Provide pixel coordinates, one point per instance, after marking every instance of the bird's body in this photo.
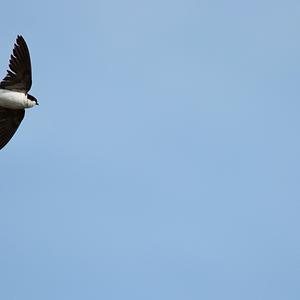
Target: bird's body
(15, 100)
(14, 97)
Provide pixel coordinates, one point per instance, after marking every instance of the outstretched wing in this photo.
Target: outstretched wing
(10, 119)
(18, 78)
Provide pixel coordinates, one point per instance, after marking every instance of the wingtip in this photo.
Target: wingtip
(19, 38)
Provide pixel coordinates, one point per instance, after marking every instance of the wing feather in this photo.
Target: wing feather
(10, 120)
(18, 78)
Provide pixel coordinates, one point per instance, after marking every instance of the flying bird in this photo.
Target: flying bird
(14, 88)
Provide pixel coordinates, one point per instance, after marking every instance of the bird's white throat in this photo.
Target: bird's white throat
(15, 100)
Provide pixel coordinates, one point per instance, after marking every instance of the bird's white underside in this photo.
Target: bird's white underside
(14, 100)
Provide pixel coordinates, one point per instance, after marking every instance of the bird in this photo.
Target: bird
(14, 88)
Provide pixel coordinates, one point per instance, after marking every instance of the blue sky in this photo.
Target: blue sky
(163, 160)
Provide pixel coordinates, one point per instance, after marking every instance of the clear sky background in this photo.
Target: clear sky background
(163, 160)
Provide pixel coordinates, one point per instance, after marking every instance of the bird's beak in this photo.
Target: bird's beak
(37, 103)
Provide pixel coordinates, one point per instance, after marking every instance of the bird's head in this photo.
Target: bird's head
(32, 99)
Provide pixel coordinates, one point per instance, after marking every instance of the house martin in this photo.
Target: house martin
(14, 97)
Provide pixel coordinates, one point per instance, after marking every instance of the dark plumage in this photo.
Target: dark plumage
(18, 78)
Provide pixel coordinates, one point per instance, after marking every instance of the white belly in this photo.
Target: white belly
(13, 100)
